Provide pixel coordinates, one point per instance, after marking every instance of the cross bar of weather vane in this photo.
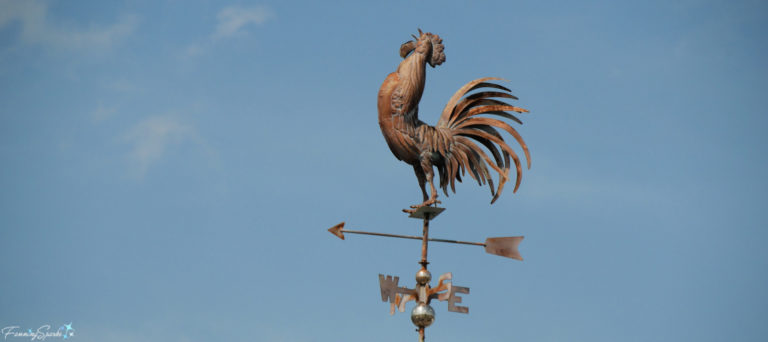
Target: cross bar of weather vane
(501, 246)
(413, 237)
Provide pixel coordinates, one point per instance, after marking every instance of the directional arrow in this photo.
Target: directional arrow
(502, 246)
(336, 230)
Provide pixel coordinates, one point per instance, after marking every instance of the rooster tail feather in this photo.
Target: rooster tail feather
(449, 107)
(461, 120)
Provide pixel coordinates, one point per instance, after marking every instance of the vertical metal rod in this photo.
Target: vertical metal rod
(424, 241)
(424, 262)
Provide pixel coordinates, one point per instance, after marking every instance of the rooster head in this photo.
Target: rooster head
(427, 44)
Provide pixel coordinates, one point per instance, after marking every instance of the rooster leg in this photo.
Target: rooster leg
(433, 192)
(422, 180)
(428, 173)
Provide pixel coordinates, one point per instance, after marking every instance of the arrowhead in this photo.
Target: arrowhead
(337, 230)
(504, 246)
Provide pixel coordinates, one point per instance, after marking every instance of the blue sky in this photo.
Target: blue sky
(169, 170)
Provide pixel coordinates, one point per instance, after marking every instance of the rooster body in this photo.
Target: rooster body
(449, 145)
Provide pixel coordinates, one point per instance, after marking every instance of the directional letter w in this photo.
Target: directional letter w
(389, 288)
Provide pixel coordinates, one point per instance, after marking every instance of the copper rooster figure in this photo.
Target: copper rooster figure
(447, 145)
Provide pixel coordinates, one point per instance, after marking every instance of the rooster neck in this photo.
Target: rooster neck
(412, 74)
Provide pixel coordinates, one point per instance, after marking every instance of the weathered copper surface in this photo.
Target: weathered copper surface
(504, 246)
(458, 144)
(452, 145)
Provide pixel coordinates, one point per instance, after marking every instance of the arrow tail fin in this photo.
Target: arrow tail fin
(504, 246)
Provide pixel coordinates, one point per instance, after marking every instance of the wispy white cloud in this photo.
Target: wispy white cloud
(103, 112)
(122, 86)
(194, 49)
(152, 137)
(36, 28)
(233, 19)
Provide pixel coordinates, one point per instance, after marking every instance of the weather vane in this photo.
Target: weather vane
(452, 147)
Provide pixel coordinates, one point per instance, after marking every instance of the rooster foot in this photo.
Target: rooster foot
(425, 204)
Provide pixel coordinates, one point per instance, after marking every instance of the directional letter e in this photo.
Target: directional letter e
(453, 299)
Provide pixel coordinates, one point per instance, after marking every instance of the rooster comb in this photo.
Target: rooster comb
(438, 54)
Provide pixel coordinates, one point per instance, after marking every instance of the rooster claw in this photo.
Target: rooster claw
(426, 204)
(416, 207)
